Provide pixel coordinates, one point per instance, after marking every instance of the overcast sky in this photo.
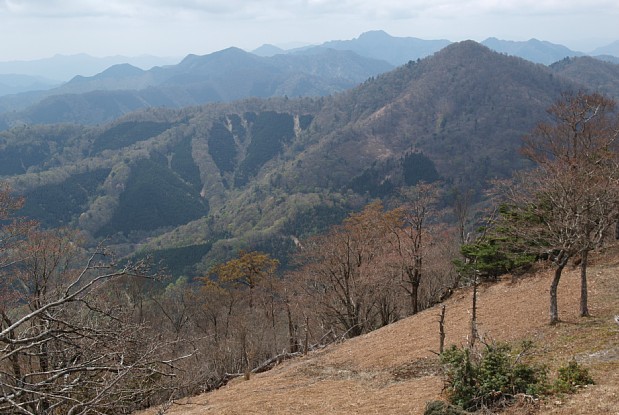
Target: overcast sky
(32, 29)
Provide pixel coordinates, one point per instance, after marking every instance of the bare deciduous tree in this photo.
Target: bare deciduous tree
(570, 201)
(68, 343)
(340, 273)
(412, 237)
(244, 311)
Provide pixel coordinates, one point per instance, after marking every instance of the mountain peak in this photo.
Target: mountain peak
(378, 44)
(375, 34)
(466, 47)
(268, 50)
(230, 54)
(121, 69)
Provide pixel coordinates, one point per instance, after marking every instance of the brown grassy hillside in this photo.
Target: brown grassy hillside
(394, 371)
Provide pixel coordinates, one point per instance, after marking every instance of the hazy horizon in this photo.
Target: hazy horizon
(287, 46)
(37, 29)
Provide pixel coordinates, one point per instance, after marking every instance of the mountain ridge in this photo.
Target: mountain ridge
(371, 45)
(535, 50)
(399, 50)
(444, 75)
(395, 50)
(602, 77)
(282, 167)
(226, 75)
(62, 68)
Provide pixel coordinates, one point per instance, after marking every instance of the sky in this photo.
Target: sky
(33, 29)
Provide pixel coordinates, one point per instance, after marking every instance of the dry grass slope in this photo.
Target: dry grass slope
(394, 371)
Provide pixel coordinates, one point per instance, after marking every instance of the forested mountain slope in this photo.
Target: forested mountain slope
(602, 77)
(466, 108)
(256, 173)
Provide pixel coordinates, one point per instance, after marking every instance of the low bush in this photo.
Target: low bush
(491, 377)
(571, 377)
(443, 408)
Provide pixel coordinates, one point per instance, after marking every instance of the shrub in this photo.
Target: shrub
(572, 376)
(442, 408)
(490, 378)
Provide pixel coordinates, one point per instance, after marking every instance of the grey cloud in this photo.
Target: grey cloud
(65, 8)
(256, 8)
(305, 8)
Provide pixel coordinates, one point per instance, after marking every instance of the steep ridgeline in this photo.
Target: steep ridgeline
(395, 50)
(465, 108)
(399, 50)
(254, 174)
(534, 50)
(602, 77)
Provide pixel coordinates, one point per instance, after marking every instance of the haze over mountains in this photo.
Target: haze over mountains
(399, 50)
(233, 149)
(193, 183)
(61, 68)
(222, 76)
(196, 163)
(16, 83)
(219, 77)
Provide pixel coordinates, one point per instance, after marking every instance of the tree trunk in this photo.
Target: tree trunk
(584, 308)
(293, 344)
(14, 359)
(414, 277)
(306, 342)
(554, 307)
(415, 298)
(441, 330)
(44, 366)
(474, 315)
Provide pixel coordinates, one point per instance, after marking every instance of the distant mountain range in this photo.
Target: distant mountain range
(196, 183)
(232, 150)
(61, 68)
(17, 83)
(374, 44)
(399, 50)
(223, 76)
(612, 50)
(533, 50)
(395, 50)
